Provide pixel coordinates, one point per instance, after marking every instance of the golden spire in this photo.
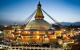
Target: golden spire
(39, 14)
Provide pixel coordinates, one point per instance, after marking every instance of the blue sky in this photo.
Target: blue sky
(12, 11)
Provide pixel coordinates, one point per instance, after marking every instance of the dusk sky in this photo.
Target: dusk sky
(12, 11)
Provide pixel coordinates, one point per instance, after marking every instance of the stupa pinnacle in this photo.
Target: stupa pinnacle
(39, 14)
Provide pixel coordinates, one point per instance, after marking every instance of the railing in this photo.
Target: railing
(35, 48)
(30, 48)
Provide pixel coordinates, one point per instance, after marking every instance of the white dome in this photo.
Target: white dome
(38, 25)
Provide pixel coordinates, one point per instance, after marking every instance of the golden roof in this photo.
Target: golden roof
(39, 14)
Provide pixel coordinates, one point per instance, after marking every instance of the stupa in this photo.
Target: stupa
(39, 23)
(36, 31)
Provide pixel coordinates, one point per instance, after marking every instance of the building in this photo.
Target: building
(36, 32)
